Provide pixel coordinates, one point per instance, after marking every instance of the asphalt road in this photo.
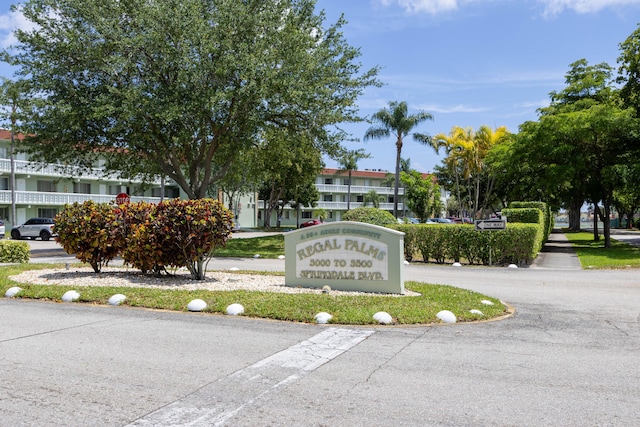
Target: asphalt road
(568, 357)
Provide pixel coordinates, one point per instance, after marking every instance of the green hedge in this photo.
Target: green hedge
(14, 251)
(443, 243)
(547, 217)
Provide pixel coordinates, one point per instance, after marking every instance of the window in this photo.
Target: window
(172, 192)
(82, 187)
(4, 214)
(328, 181)
(3, 153)
(46, 186)
(156, 192)
(327, 198)
(306, 215)
(47, 212)
(114, 190)
(390, 199)
(287, 215)
(4, 183)
(360, 198)
(259, 215)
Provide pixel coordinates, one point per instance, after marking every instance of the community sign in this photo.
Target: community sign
(347, 256)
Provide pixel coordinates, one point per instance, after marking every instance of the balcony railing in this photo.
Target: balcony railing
(342, 206)
(61, 199)
(355, 189)
(52, 170)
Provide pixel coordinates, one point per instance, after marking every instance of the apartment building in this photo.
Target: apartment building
(42, 190)
(333, 186)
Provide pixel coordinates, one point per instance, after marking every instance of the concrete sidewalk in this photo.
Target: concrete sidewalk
(557, 253)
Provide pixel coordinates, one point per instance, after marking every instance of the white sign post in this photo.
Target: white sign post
(347, 256)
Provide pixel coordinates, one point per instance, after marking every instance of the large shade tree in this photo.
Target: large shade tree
(397, 121)
(182, 88)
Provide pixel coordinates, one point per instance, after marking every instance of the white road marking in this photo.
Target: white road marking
(219, 401)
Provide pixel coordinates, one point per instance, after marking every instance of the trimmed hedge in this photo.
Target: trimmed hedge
(547, 218)
(14, 252)
(456, 243)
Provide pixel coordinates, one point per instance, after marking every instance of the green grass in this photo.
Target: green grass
(267, 247)
(349, 310)
(594, 255)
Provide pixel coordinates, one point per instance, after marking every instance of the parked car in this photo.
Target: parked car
(2, 230)
(310, 223)
(441, 220)
(34, 228)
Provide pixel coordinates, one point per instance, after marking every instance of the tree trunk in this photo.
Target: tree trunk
(397, 180)
(596, 214)
(606, 225)
(574, 214)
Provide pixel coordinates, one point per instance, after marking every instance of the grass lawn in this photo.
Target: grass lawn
(345, 309)
(595, 255)
(267, 247)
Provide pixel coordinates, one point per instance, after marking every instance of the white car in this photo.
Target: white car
(2, 230)
(34, 228)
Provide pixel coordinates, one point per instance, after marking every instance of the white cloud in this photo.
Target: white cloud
(9, 22)
(428, 6)
(554, 7)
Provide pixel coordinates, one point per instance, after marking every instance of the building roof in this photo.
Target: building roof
(6, 134)
(366, 173)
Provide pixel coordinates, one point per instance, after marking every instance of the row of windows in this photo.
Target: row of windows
(359, 198)
(44, 186)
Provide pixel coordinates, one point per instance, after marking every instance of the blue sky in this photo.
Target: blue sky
(467, 62)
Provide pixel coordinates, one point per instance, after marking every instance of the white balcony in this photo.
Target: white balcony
(61, 199)
(58, 171)
(342, 206)
(355, 189)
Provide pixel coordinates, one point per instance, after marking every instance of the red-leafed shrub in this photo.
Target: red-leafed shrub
(176, 233)
(88, 231)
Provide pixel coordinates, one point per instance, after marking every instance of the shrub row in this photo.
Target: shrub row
(176, 233)
(14, 251)
(455, 243)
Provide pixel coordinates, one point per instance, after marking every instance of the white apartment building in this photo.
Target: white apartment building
(42, 190)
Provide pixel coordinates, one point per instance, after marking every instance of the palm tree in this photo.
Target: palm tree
(453, 144)
(349, 162)
(396, 119)
(373, 198)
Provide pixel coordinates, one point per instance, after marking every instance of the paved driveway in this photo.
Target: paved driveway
(569, 356)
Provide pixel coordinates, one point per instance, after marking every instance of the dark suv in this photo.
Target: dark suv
(34, 228)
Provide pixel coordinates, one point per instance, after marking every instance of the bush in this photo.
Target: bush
(449, 243)
(89, 231)
(177, 233)
(373, 216)
(14, 251)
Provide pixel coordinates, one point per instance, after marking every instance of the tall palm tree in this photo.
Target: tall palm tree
(452, 145)
(397, 119)
(349, 162)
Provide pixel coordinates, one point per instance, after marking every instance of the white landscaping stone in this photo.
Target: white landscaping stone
(474, 311)
(322, 317)
(406, 262)
(13, 291)
(383, 318)
(235, 309)
(234, 269)
(196, 305)
(117, 299)
(486, 302)
(512, 266)
(256, 256)
(280, 256)
(70, 296)
(457, 264)
(446, 316)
